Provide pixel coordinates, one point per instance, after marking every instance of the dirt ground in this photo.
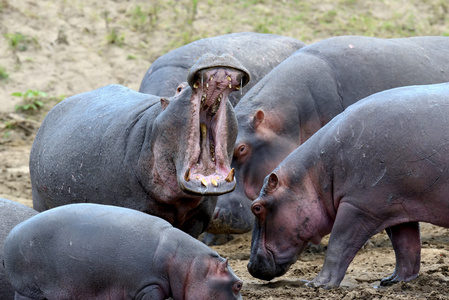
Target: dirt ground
(69, 51)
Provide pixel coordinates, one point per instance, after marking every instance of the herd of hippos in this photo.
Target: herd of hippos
(348, 136)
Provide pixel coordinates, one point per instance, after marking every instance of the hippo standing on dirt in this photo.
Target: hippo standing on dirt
(92, 251)
(165, 157)
(11, 214)
(381, 164)
(258, 52)
(315, 84)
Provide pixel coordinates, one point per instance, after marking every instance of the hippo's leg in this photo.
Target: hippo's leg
(407, 249)
(152, 292)
(346, 239)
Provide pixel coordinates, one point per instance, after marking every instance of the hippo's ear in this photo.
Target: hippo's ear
(223, 267)
(164, 103)
(273, 182)
(258, 118)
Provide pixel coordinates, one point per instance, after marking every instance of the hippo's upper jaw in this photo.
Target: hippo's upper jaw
(207, 168)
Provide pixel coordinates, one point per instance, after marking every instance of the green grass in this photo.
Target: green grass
(3, 74)
(32, 100)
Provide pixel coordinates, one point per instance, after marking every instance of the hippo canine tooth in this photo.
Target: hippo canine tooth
(230, 176)
(203, 131)
(187, 175)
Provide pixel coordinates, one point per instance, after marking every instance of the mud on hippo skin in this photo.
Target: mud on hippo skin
(92, 251)
(168, 157)
(316, 83)
(11, 214)
(381, 164)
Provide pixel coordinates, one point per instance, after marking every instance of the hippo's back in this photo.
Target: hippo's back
(367, 65)
(97, 132)
(87, 245)
(396, 141)
(258, 52)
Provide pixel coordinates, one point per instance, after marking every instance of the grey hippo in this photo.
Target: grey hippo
(168, 157)
(315, 84)
(93, 251)
(381, 164)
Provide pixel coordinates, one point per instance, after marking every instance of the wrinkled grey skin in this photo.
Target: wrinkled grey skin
(319, 81)
(165, 157)
(11, 214)
(92, 251)
(381, 164)
(258, 52)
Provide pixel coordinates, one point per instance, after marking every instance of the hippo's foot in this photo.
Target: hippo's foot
(211, 239)
(396, 278)
(313, 284)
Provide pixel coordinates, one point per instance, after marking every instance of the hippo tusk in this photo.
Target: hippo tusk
(187, 175)
(230, 176)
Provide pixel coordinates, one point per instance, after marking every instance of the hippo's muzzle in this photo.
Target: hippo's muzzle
(208, 170)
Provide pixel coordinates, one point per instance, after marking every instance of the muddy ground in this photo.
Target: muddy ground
(69, 47)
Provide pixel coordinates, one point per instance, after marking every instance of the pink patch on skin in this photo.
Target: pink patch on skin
(350, 46)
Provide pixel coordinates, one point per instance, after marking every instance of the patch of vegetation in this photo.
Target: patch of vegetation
(113, 37)
(32, 100)
(3, 74)
(21, 42)
(142, 19)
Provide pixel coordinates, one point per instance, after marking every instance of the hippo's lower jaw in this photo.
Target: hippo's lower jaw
(265, 267)
(208, 169)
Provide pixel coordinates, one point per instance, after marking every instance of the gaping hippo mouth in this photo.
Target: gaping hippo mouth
(208, 170)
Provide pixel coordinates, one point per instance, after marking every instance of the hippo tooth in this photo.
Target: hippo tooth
(214, 182)
(207, 85)
(237, 87)
(230, 86)
(229, 78)
(211, 78)
(203, 99)
(203, 131)
(204, 182)
(230, 176)
(197, 177)
(187, 175)
(196, 85)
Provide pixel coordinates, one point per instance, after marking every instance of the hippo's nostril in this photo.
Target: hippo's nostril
(216, 213)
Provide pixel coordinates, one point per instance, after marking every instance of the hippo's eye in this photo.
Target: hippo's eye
(257, 209)
(179, 89)
(241, 151)
(237, 287)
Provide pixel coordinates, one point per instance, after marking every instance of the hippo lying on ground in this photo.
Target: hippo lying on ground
(312, 86)
(381, 164)
(92, 251)
(11, 214)
(157, 155)
(258, 52)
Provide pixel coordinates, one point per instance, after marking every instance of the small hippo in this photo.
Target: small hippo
(316, 83)
(93, 251)
(381, 164)
(165, 157)
(11, 214)
(258, 52)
